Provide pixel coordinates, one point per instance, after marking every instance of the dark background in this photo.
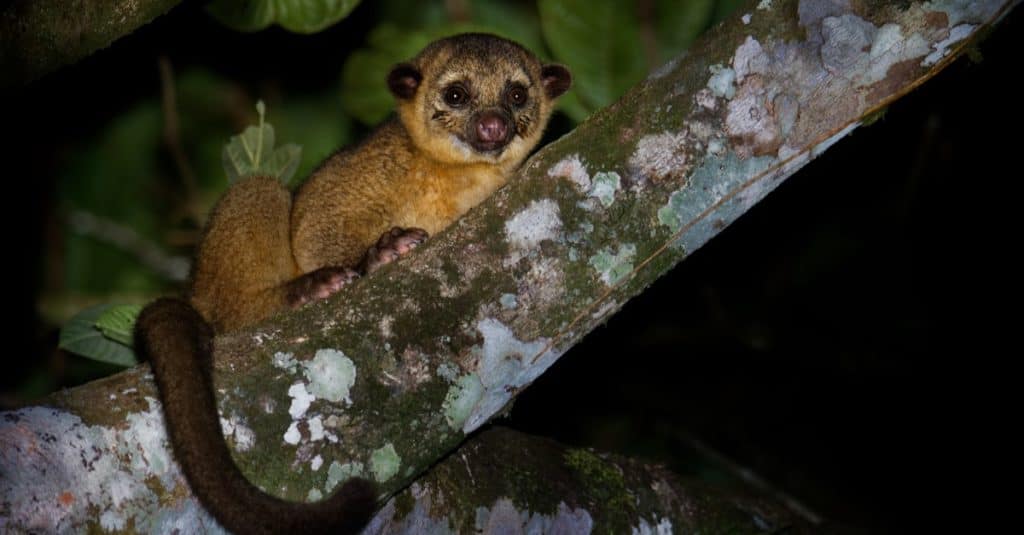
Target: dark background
(840, 339)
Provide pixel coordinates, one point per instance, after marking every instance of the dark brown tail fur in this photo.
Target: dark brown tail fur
(178, 344)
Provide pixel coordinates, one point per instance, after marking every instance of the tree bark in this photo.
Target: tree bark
(391, 374)
(39, 36)
(501, 481)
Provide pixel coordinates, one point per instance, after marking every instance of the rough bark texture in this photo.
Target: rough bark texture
(39, 36)
(392, 373)
(501, 481)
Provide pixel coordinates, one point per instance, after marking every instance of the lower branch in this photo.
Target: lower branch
(502, 481)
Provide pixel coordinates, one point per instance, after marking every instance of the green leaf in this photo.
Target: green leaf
(80, 335)
(600, 41)
(284, 161)
(300, 16)
(246, 153)
(118, 323)
(252, 153)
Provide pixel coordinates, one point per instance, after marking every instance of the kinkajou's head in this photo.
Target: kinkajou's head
(476, 98)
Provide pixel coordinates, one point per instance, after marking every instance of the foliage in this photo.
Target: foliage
(302, 16)
(103, 333)
(252, 153)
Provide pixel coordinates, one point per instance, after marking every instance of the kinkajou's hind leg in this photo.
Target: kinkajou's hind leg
(245, 262)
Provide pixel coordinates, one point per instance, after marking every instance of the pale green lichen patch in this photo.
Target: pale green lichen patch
(285, 361)
(184, 516)
(448, 371)
(613, 267)
(504, 365)
(234, 429)
(461, 398)
(956, 34)
(715, 179)
(331, 375)
(384, 463)
(339, 473)
(538, 222)
(508, 301)
(662, 527)
(961, 10)
(314, 495)
(504, 517)
(573, 170)
(722, 82)
(604, 186)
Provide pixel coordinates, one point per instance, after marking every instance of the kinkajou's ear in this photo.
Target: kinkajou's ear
(556, 80)
(404, 80)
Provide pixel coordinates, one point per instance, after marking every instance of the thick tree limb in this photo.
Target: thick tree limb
(391, 374)
(38, 36)
(502, 481)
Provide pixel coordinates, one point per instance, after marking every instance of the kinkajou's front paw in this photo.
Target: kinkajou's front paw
(391, 246)
(319, 284)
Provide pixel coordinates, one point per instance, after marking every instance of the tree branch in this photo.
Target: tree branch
(388, 376)
(39, 36)
(501, 481)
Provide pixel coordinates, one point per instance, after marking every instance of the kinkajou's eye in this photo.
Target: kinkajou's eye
(516, 96)
(456, 96)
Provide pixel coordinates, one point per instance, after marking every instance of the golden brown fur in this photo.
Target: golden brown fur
(470, 108)
(418, 170)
